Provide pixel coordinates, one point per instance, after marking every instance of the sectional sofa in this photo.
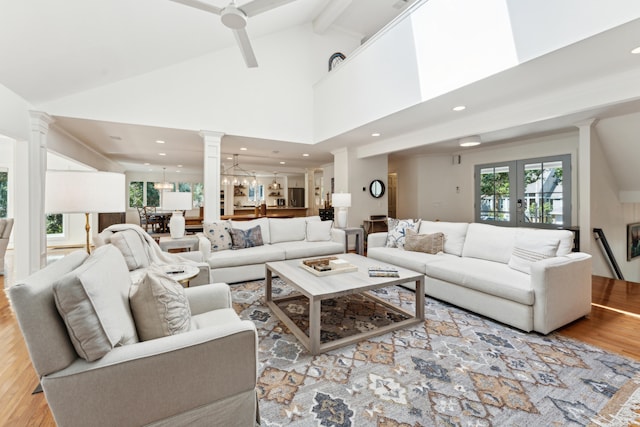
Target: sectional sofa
(527, 278)
(281, 239)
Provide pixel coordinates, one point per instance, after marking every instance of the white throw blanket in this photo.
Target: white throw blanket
(154, 253)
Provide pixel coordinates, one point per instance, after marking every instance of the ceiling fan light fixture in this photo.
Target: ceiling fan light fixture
(233, 18)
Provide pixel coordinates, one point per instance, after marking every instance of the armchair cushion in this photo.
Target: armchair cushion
(132, 248)
(93, 301)
(159, 305)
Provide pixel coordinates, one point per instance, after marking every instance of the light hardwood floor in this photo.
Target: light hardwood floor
(614, 325)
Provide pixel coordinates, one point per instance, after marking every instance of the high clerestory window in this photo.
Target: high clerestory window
(525, 193)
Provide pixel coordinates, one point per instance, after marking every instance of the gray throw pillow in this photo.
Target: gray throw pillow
(159, 305)
(246, 238)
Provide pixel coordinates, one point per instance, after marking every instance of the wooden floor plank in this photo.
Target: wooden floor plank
(614, 325)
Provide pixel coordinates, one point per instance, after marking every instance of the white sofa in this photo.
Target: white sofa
(473, 272)
(283, 238)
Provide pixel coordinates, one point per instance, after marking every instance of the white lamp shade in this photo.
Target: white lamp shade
(84, 192)
(176, 201)
(341, 200)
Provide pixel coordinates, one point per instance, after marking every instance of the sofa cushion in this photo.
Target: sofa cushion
(248, 256)
(454, 234)
(427, 243)
(528, 250)
(93, 300)
(492, 278)
(318, 231)
(397, 231)
(132, 247)
(218, 233)
(489, 242)
(217, 317)
(262, 222)
(246, 238)
(294, 250)
(287, 229)
(159, 305)
(416, 261)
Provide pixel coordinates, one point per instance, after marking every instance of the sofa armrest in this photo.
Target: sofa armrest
(204, 246)
(562, 289)
(193, 256)
(155, 379)
(339, 236)
(377, 240)
(208, 297)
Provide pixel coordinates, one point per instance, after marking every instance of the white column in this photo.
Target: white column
(584, 184)
(341, 170)
(212, 143)
(31, 166)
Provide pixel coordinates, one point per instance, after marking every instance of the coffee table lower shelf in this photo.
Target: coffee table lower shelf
(317, 289)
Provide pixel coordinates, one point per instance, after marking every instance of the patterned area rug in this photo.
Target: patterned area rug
(455, 369)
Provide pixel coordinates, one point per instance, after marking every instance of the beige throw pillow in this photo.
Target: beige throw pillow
(93, 302)
(427, 243)
(159, 305)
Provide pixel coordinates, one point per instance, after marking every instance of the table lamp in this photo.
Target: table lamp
(84, 192)
(177, 202)
(341, 201)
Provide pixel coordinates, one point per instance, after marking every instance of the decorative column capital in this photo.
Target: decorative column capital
(40, 121)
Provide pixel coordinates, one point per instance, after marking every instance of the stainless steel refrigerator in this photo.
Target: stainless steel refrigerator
(296, 197)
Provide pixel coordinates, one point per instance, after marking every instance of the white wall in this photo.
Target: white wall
(218, 92)
(432, 187)
(67, 146)
(361, 173)
(14, 116)
(612, 216)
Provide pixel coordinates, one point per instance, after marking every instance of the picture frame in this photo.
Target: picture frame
(633, 240)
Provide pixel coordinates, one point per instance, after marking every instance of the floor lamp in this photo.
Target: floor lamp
(177, 202)
(84, 192)
(341, 201)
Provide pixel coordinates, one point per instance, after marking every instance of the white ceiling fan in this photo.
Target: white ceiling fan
(235, 18)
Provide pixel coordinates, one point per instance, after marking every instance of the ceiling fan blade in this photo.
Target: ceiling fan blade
(245, 47)
(200, 5)
(258, 6)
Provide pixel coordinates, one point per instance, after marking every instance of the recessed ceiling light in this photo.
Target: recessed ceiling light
(229, 158)
(636, 50)
(147, 164)
(179, 166)
(459, 108)
(159, 141)
(375, 134)
(305, 155)
(470, 141)
(178, 170)
(162, 154)
(243, 148)
(282, 163)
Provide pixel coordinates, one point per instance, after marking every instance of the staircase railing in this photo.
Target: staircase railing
(604, 245)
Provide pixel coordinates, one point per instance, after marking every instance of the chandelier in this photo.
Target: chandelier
(237, 175)
(164, 185)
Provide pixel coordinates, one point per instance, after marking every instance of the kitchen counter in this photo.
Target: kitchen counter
(272, 212)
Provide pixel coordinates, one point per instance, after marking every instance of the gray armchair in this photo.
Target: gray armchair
(203, 377)
(6, 224)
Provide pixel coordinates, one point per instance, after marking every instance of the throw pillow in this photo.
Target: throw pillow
(93, 302)
(427, 243)
(246, 238)
(159, 305)
(397, 231)
(527, 251)
(319, 231)
(218, 235)
(132, 247)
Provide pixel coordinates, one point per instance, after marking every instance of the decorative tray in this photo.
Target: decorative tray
(327, 266)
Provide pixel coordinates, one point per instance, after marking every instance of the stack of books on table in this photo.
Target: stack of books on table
(385, 271)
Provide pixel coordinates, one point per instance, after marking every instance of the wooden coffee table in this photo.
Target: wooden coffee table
(318, 288)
